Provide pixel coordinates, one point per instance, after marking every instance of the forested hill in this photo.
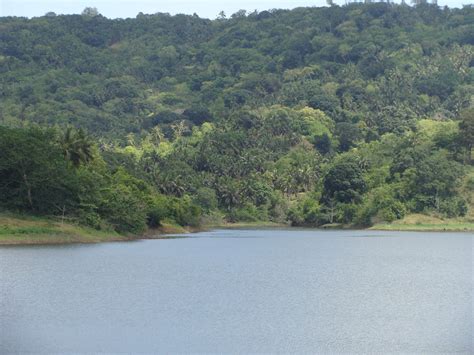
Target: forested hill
(379, 65)
(316, 115)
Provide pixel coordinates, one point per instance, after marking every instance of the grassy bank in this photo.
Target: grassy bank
(34, 230)
(419, 222)
(28, 230)
(15, 230)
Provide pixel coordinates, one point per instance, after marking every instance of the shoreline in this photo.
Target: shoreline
(422, 228)
(36, 231)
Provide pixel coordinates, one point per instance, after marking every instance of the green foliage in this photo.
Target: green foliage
(380, 204)
(344, 182)
(347, 114)
(355, 63)
(466, 130)
(34, 176)
(76, 146)
(429, 180)
(158, 210)
(184, 212)
(123, 209)
(206, 198)
(306, 212)
(348, 134)
(247, 213)
(453, 207)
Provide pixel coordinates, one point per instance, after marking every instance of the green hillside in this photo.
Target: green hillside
(355, 115)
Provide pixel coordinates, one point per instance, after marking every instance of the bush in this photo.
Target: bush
(380, 205)
(184, 212)
(295, 216)
(34, 176)
(248, 213)
(391, 209)
(278, 208)
(306, 212)
(89, 217)
(453, 207)
(124, 211)
(157, 211)
(346, 212)
(206, 198)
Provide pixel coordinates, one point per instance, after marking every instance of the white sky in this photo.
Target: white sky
(130, 8)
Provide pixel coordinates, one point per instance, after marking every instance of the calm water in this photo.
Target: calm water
(242, 291)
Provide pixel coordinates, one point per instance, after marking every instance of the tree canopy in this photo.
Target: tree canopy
(311, 116)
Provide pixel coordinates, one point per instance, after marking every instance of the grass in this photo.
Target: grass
(16, 229)
(420, 222)
(167, 228)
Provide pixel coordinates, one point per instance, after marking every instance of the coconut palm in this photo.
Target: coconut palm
(77, 146)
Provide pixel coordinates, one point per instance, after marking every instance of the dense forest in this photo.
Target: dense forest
(344, 114)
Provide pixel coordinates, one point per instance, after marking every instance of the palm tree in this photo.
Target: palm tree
(76, 146)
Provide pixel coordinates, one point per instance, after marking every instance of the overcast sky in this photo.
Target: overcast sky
(130, 8)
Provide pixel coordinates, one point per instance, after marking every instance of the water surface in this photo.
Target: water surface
(242, 291)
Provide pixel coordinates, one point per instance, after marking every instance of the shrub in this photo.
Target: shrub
(184, 212)
(306, 212)
(206, 198)
(453, 207)
(248, 213)
(124, 210)
(157, 211)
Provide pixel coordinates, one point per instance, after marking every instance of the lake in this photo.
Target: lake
(242, 291)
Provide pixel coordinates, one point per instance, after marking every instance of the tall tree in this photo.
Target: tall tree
(344, 182)
(466, 130)
(76, 146)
